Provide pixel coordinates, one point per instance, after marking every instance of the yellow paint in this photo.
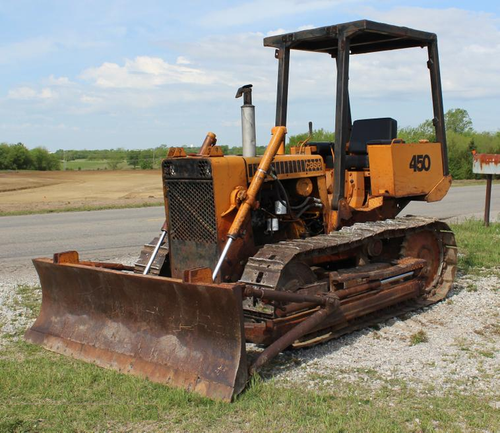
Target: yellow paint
(355, 188)
(228, 173)
(391, 174)
(440, 190)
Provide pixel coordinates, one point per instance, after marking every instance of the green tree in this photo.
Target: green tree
(43, 160)
(133, 158)
(146, 159)
(4, 156)
(459, 121)
(424, 131)
(19, 157)
(114, 160)
(317, 135)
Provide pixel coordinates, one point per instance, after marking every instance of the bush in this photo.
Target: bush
(4, 156)
(19, 157)
(43, 160)
(146, 159)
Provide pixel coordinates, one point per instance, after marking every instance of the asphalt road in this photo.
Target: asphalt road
(107, 234)
(99, 235)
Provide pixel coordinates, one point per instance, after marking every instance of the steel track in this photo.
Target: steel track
(266, 267)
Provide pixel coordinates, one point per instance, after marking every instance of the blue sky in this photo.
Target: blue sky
(101, 74)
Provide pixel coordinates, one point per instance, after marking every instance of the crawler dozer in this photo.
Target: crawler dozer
(284, 250)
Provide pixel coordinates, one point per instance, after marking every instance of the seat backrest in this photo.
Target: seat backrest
(365, 130)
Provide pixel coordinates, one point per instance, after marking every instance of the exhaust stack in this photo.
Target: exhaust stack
(247, 120)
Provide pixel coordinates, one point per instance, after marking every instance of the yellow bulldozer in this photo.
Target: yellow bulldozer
(284, 250)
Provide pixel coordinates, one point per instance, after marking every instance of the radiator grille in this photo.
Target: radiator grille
(192, 210)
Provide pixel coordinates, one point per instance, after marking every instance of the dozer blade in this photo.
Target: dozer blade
(189, 336)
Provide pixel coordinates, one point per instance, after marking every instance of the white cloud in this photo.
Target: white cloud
(28, 93)
(469, 48)
(146, 72)
(59, 81)
(87, 99)
(22, 93)
(181, 60)
(276, 32)
(46, 93)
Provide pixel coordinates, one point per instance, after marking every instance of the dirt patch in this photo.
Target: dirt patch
(39, 191)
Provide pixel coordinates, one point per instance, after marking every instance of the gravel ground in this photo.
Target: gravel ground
(461, 351)
(13, 316)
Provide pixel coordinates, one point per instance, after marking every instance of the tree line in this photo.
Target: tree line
(19, 157)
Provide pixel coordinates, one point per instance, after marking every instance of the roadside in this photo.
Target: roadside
(473, 182)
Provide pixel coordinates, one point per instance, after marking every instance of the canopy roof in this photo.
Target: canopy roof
(365, 37)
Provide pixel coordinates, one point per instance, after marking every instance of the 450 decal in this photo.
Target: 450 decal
(420, 163)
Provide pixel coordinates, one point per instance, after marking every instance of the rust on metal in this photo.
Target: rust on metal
(66, 257)
(346, 279)
(198, 275)
(297, 332)
(184, 335)
(208, 143)
(275, 295)
(486, 163)
(428, 252)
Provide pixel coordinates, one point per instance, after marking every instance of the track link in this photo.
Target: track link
(267, 266)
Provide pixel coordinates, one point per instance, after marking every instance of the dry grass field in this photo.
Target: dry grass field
(39, 191)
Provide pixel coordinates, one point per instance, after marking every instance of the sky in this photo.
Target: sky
(107, 74)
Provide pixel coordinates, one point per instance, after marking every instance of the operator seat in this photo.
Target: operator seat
(380, 130)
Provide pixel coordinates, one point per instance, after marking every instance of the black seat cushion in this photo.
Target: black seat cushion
(373, 130)
(356, 162)
(323, 148)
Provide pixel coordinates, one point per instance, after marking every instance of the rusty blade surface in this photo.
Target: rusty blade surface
(185, 335)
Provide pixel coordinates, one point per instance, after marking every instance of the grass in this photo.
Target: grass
(42, 391)
(82, 208)
(418, 337)
(479, 246)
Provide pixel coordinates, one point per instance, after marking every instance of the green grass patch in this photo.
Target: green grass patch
(82, 208)
(42, 391)
(418, 337)
(487, 353)
(479, 246)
